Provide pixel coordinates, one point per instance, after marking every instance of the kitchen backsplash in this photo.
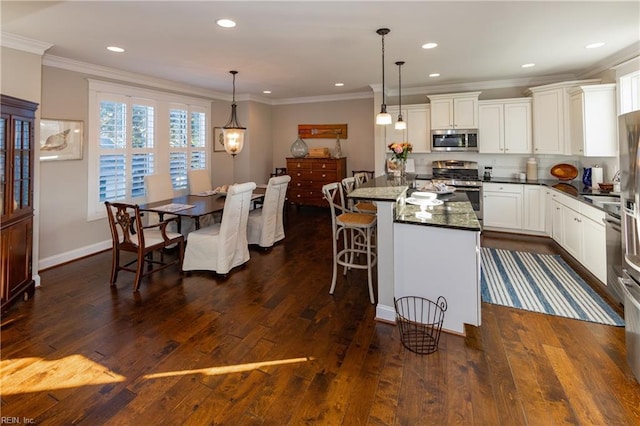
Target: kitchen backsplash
(510, 165)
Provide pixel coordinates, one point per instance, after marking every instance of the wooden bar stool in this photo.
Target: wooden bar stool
(356, 231)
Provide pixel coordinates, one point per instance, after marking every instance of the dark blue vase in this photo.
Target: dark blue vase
(586, 177)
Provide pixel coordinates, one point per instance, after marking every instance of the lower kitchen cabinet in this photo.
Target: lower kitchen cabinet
(502, 205)
(580, 230)
(534, 203)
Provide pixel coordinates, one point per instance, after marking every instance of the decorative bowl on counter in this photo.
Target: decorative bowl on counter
(564, 171)
(606, 187)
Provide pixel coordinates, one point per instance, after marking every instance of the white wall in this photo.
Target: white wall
(21, 78)
(357, 147)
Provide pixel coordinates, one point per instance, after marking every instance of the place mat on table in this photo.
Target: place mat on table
(173, 207)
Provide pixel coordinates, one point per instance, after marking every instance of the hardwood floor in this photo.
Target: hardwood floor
(270, 346)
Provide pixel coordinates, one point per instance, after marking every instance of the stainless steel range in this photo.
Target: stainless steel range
(463, 175)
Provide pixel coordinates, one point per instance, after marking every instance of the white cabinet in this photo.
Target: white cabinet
(534, 197)
(418, 131)
(594, 121)
(454, 111)
(548, 211)
(502, 205)
(504, 126)
(550, 112)
(580, 230)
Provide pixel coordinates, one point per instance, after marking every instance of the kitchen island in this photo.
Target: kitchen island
(428, 256)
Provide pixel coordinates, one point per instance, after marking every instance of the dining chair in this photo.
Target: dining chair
(265, 226)
(158, 187)
(128, 234)
(355, 230)
(199, 181)
(222, 246)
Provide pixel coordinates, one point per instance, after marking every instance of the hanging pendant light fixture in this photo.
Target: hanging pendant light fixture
(383, 116)
(400, 124)
(233, 132)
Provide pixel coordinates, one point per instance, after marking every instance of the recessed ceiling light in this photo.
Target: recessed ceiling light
(226, 23)
(115, 49)
(339, 84)
(266, 92)
(594, 45)
(528, 65)
(429, 45)
(435, 74)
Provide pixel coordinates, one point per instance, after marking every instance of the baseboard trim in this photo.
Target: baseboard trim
(58, 259)
(385, 314)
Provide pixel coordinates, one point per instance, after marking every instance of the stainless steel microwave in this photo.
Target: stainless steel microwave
(454, 140)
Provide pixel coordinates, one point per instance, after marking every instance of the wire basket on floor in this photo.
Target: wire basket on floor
(420, 321)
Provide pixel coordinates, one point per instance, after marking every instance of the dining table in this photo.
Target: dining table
(195, 206)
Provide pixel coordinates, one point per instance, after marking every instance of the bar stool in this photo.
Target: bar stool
(356, 230)
(349, 184)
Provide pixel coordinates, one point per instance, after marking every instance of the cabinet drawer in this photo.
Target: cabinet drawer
(502, 187)
(300, 175)
(324, 175)
(296, 165)
(324, 165)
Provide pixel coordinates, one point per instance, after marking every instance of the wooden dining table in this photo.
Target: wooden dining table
(194, 206)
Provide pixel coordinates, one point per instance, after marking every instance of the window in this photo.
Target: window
(135, 132)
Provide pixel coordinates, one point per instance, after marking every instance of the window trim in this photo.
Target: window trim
(162, 100)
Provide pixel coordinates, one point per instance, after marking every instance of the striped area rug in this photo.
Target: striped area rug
(541, 283)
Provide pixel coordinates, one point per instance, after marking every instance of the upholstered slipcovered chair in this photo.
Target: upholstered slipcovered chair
(222, 246)
(199, 181)
(265, 225)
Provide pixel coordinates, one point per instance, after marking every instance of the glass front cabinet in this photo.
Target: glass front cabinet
(16, 192)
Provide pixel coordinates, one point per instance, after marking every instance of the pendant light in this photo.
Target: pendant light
(400, 124)
(233, 132)
(383, 117)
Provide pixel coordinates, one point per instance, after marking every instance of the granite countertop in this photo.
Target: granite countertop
(455, 213)
(382, 188)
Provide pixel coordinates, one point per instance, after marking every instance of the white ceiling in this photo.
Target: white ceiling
(299, 49)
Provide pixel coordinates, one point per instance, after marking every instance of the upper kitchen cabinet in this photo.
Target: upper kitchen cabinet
(551, 120)
(593, 120)
(454, 111)
(505, 126)
(418, 131)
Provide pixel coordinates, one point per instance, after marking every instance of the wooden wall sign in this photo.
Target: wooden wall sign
(322, 131)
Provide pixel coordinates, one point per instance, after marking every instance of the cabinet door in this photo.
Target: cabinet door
(534, 208)
(548, 212)
(502, 209)
(594, 248)
(465, 113)
(576, 112)
(418, 128)
(572, 232)
(517, 128)
(391, 134)
(557, 224)
(548, 122)
(491, 128)
(600, 121)
(442, 114)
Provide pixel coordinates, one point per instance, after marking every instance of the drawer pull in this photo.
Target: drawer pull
(324, 175)
(324, 166)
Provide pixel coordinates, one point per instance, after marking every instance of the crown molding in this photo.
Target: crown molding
(614, 61)
(129, 77)
(29, 45)
(327, 98)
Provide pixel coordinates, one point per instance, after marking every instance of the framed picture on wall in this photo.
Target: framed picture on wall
(61, 139)
(218, 139)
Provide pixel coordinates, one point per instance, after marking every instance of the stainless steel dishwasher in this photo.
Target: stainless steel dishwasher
(614, 257)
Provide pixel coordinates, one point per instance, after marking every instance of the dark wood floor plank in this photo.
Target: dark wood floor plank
(268, 345)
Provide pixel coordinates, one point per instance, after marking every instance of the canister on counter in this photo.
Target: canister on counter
(532, 169)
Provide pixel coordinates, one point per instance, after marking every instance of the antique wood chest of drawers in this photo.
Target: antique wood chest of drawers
(309, 174)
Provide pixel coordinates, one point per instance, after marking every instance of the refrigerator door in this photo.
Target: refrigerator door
(629, 142)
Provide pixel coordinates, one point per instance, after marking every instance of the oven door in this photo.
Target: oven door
(474, 194)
